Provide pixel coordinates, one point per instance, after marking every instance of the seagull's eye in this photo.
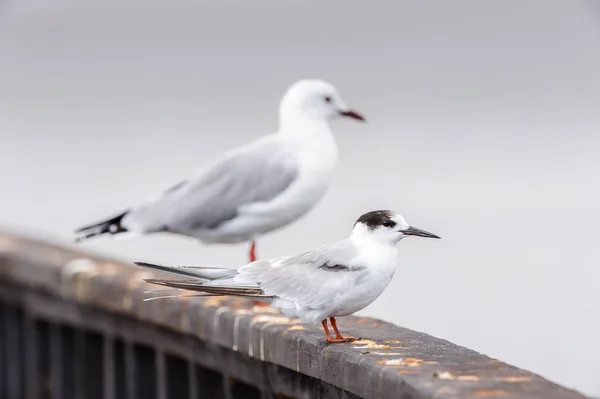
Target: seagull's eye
(327, 99)
(389, 223)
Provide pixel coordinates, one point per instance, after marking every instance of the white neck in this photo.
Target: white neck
(379, 254)
(298, 121)
(361, 235)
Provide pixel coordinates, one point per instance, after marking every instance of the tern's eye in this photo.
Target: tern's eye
(327, 99)
(389, 223)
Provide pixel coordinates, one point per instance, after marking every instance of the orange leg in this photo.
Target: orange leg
(253, 259)
(324, 323)
(338, 336)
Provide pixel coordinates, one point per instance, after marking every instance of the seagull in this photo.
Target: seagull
(250, 191)
(331, 281)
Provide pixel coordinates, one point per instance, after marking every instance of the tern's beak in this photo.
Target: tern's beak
(413, 231)
(352, 114)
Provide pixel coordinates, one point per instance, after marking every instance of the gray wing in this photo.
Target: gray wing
(258, 172)
(312, 279)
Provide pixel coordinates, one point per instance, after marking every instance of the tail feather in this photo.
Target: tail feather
(209, 281)
(178, 296)
(110, 226)
(198, 285)
(202, 273)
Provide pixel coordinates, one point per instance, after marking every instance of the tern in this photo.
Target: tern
(331, 281)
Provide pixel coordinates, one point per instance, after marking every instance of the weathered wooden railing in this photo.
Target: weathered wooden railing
(75, 326)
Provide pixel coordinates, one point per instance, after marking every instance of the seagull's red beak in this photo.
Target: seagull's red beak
(353, 115)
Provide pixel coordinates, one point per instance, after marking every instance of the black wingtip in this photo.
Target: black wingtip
(110, 226)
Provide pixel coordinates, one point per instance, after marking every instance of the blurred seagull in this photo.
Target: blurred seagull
(254, 189)
(328, 282)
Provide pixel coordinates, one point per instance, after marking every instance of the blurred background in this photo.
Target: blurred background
(483, 127)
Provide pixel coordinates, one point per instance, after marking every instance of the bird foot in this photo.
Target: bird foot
(341, 339)
(260, 304)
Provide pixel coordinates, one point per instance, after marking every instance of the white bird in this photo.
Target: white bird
(252, 190)
(328, 282)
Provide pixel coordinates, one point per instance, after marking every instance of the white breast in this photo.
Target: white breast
(381, 262)
(317, 159)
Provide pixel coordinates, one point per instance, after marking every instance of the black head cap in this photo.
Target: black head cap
(375, 219)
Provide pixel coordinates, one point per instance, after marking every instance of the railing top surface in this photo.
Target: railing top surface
(390, 361)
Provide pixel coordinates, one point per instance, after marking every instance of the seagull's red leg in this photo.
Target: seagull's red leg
(338, 336)
(253, 251)
(252, 259)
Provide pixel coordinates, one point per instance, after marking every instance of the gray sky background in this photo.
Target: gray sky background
(483, 127)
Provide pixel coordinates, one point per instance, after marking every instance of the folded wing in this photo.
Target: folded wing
(256, 173)
(311, 280)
